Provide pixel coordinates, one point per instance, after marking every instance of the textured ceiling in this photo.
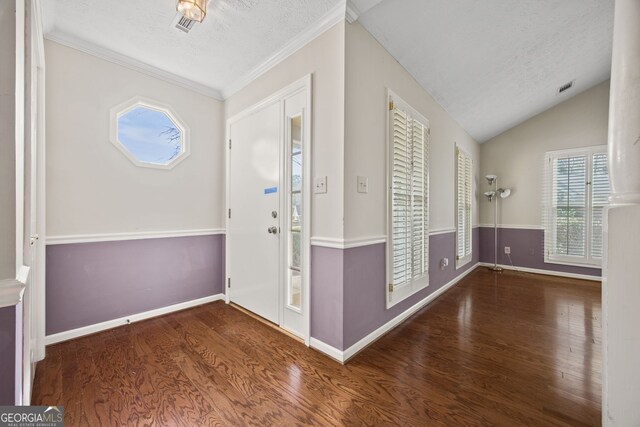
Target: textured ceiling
(235, 36)
(491, 64)
(494, 63)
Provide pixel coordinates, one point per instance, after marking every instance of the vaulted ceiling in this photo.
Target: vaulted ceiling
(491, 64)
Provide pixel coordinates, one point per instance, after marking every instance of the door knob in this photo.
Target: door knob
(272, 230)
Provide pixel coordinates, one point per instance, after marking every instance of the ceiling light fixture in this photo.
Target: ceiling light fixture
(195, 10)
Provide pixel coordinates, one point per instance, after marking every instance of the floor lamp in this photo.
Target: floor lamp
(491, 195)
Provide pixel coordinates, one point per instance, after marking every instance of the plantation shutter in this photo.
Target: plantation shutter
(569, 205)
(579, 193)
(599, 198)
(409, 199)
(463, 206)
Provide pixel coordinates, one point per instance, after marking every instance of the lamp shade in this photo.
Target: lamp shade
(506, 192)
(195, 10)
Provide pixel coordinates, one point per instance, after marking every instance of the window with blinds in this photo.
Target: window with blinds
(464, 194)
(408, 257)
(578, 192)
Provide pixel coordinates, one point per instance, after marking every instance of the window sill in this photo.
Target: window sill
(572, 264)
(462, 262)
(400, 295)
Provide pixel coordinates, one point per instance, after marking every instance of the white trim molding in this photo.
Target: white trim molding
(438, 231)
(327, 21)
(11, 292)
(545, 272)
(138, 101)
(330, 242)
(139, 235)
(516, 226)
(126, 320)
(336, 243)
(131, 63)
(343, 356)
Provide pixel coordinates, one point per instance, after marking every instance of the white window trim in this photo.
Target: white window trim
(139, 101)
(460, 262)
(568, 260)
(399, 294)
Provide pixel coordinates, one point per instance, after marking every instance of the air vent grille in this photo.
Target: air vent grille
(565, 86)
(182, 23)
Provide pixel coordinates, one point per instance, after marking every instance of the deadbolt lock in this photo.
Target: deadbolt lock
(274, 214)
(272, 230)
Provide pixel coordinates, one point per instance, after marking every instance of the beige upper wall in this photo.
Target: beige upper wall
(92, 188)
(7, 142)
(370, 70)
(517, 155)
(324, 59)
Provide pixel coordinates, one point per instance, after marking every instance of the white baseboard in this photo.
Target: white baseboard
(110, 324)
(328, 350)
(547, 272)
(343, 356)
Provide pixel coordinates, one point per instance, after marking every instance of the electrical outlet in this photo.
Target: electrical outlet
(444, 263)
(320, 185)
(507, 250)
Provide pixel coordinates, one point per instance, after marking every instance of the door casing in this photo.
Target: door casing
(303, 84)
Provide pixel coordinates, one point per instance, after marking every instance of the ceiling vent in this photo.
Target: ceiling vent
(565, 87)
(182, 23)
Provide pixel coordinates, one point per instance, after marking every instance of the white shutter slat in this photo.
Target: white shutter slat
(600, 191)
(409, 198)
(463, 205)
(578, 190)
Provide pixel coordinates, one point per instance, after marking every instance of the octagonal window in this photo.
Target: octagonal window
(148, 134)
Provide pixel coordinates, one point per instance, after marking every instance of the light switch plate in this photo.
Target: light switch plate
(363, 184)
(320, 185)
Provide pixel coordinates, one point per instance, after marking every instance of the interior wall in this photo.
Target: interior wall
(370, 71)
(324, 59)
(92, 188)
(517, 155)
(7, 141)
(96, 199)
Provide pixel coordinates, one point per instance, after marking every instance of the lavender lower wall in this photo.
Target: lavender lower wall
(327, 303)
(89, 283)
(527, 250)
(7, 355)
(348, 288)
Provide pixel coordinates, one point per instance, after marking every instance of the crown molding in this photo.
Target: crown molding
(131, 63)
(352, 12)
(328, 20)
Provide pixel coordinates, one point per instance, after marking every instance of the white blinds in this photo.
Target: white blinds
(599, 196)
(464, 195)
(579, 193)
(409, 225)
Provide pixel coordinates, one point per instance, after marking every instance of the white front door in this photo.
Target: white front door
(268, 196)
(253, 235)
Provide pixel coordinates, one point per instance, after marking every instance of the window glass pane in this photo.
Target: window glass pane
(296, 211)
(295, 289)
(295, 249)
(150, 136)
(570, 176)
(296, 172)
(294, 293)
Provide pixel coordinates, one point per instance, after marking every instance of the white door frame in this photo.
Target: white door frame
(38, 344)
(303, 84)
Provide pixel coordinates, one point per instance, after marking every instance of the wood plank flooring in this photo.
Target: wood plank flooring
(506, 349)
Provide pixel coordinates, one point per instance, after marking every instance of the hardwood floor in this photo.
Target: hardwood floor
(498, 349)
